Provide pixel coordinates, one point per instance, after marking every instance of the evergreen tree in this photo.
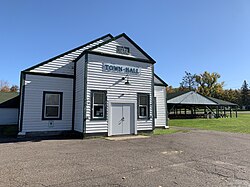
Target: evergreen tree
(245, 94)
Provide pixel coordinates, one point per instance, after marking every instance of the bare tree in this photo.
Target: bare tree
(4, 86)
(188, 82)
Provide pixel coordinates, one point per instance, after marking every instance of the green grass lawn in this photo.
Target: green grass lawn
(167, 131)
(240, 124)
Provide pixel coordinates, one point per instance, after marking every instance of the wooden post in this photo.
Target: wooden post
(236, 113)
(185, 110)
(230, 112)
(224, 111)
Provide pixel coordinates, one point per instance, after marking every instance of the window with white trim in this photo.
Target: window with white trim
(143, 106)
(98, 99)
(52, 105)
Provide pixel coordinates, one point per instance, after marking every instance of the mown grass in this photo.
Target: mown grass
(167, 131)
(239, 125)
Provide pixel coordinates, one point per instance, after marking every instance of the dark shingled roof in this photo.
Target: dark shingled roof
(9, 100)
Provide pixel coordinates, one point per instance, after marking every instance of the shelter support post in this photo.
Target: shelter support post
(236, 112)
(230, 112)
(217, 112)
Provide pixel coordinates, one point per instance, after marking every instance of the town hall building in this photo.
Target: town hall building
(107, 86)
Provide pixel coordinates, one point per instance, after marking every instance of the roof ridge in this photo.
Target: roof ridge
(188, 93)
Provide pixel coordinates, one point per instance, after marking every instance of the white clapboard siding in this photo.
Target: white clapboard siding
(160, 94)
(8, 116)
(64, 64)
(79, 97)
(33, 103)
(111, 82)
(110, 48)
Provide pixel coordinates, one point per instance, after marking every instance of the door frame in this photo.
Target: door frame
(134, 108)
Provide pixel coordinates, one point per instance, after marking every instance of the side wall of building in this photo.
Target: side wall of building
(35, 85)
(8, 116)
(79, 97)
(161, 106)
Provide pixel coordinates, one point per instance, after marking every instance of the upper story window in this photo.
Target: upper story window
(122, 50)
(98, 99)
(143, 106)
(52, 105)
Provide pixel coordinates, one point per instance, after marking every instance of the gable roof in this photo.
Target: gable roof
(175, 94)
(9, 100)
(191, 98)
(68, 56)
(66, 59)
(149, 59)
(158, 81)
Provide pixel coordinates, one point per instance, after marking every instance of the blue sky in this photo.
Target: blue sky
(181, 35)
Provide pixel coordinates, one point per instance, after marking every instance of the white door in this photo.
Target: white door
(122, 119)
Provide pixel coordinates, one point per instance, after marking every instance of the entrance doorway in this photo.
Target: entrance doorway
(122, 118)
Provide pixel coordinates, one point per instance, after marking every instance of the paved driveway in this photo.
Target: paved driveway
(196, 158)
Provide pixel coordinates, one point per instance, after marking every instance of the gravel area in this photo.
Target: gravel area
(195, 158)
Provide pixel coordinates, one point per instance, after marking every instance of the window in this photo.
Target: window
(98, 99)
(122, 50)
(155, 107)
(52, 105)
(143, 106)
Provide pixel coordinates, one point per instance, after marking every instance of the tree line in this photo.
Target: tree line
(208, 84)
(5, 87)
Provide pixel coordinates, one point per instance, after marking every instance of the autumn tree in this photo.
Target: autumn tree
(233, 96)
(188, 82)
(4, 87)
(170, 89)
(208, 85)
(14, 88)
